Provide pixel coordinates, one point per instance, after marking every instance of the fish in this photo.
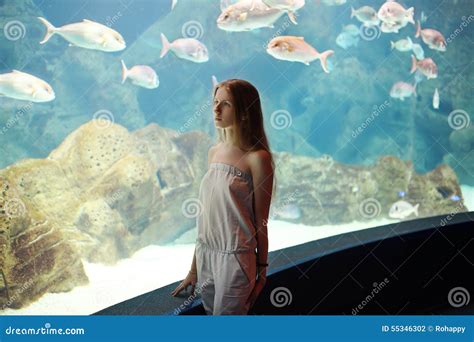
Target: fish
(433, 38)
(289, 212)
(427, 66)
(402, 45)
(333, 2)
(247, 15)
(418, 51)
(366, 15)
(23, 86)
(173, 3)
(391, 28)
(141, 75)
(392, 12)
(346, 40)
(86, 34)
(402, 209)
(400, 90)
(290, 5)
(351, 29)
(295, 49)
(455, 198)
(190, 49)
(401, 193)
(436, 99)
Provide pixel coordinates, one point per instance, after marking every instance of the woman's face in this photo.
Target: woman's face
(224, 110)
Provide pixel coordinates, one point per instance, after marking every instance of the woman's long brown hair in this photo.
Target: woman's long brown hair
(249, 133)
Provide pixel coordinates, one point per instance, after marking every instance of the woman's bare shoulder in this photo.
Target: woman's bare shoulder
(259, 159)
(212, 151)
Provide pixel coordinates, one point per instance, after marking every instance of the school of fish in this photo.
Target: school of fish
(244, 16)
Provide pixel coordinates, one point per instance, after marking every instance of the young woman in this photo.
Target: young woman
(230, 258)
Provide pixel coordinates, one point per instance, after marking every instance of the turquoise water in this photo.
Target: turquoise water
(346, 116)
(325, 109)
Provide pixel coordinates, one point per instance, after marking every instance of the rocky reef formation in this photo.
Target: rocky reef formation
(106, 192)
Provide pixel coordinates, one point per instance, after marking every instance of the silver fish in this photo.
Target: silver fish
(402, 209)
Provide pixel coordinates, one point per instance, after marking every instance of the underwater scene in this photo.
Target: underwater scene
(106, 120)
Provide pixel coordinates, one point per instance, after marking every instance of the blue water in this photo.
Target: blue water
(325, 108)
(346, 114)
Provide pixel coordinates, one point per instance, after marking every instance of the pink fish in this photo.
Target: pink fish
(392, 12)
(427, 67)
(434, 39)
(295, 49)
(391, 27)
(141, 75)
(400, 90)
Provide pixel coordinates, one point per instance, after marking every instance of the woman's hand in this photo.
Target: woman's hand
(191, 279)
(259, 285)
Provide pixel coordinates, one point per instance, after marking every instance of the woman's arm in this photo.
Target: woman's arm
(262, 175)
(193, 264)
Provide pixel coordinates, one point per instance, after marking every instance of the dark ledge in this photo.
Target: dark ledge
(399, 269)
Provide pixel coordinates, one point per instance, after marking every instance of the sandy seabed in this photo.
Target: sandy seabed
(156, 266)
